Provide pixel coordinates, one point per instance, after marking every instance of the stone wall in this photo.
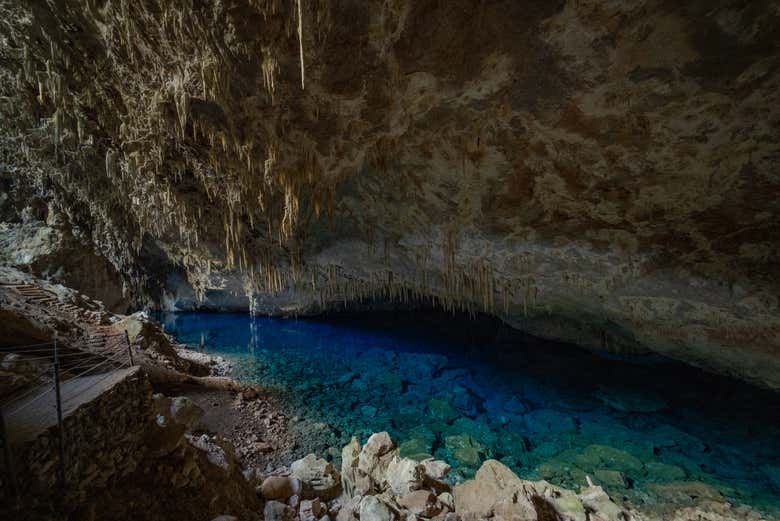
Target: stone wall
(101, 445)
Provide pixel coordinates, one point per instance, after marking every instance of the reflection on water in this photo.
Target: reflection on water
(650, 431)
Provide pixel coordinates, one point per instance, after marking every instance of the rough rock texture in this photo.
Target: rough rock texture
(36, 238)
(598, 172)
(496, 493)
(127, 457)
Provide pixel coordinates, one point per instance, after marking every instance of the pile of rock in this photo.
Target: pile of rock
(377, 484)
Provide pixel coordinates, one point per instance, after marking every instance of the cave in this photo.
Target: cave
(397, 260)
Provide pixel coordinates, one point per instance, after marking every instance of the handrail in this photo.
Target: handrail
(80, 359)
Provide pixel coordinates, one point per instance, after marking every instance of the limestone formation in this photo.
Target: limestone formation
(597, 173)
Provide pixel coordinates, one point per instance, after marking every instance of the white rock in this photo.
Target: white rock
(318, 477)
(446, 499)
(435, 469)
(278, 511)
(373, 461)
(404, 475)
(371, 509)
(310, 510)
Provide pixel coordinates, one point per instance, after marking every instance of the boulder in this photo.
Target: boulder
(184, 411)
(600, 507)
(415, 448)
(310, 510)
(612, 479)
(603, 456)
(773, 474)
(278, 511)
(373, 461)
(404, 475)
(372, 509)
(495, 486)
(318, 477)
(562, 503)
(279, 487)
(684, 492)
(349, 465)
(657, 471)
(349, 510)
(435, 469)
(466, 450)
(447, 501)
(441, 409)
(420, 503)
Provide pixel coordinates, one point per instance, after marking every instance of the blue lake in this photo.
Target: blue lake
(651, 431)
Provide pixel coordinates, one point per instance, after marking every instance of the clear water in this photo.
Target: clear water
(465, 391)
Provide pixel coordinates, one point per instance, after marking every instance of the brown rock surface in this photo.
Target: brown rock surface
(602, 173)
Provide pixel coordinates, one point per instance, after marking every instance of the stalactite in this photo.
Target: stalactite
(300, 41)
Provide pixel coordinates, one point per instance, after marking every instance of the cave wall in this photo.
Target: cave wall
(599, 172)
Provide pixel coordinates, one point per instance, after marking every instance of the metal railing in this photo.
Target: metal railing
(66, 370)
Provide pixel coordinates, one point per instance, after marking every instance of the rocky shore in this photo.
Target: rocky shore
(375, 482)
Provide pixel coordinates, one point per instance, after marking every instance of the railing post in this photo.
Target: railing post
(9, 462)
(59, 414)
(129, 348)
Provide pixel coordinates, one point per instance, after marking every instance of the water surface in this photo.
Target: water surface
(651, 431)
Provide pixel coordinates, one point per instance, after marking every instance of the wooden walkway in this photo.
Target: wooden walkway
(28, 418)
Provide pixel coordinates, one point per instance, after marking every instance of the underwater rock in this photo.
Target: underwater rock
(684, 492)
(466, 450)
(547, 421)
(663, 471)
(611, 479)
(559, 471)
(477, 429)
(603, 456)
(440, 408)
(628, 400)
(415, 448)
(773, 473)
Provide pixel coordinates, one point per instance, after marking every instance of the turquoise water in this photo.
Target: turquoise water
(651, 431)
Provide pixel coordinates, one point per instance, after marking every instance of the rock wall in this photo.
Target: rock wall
(36, 238)
(604, 173)
(101, 445)
(128, 455)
